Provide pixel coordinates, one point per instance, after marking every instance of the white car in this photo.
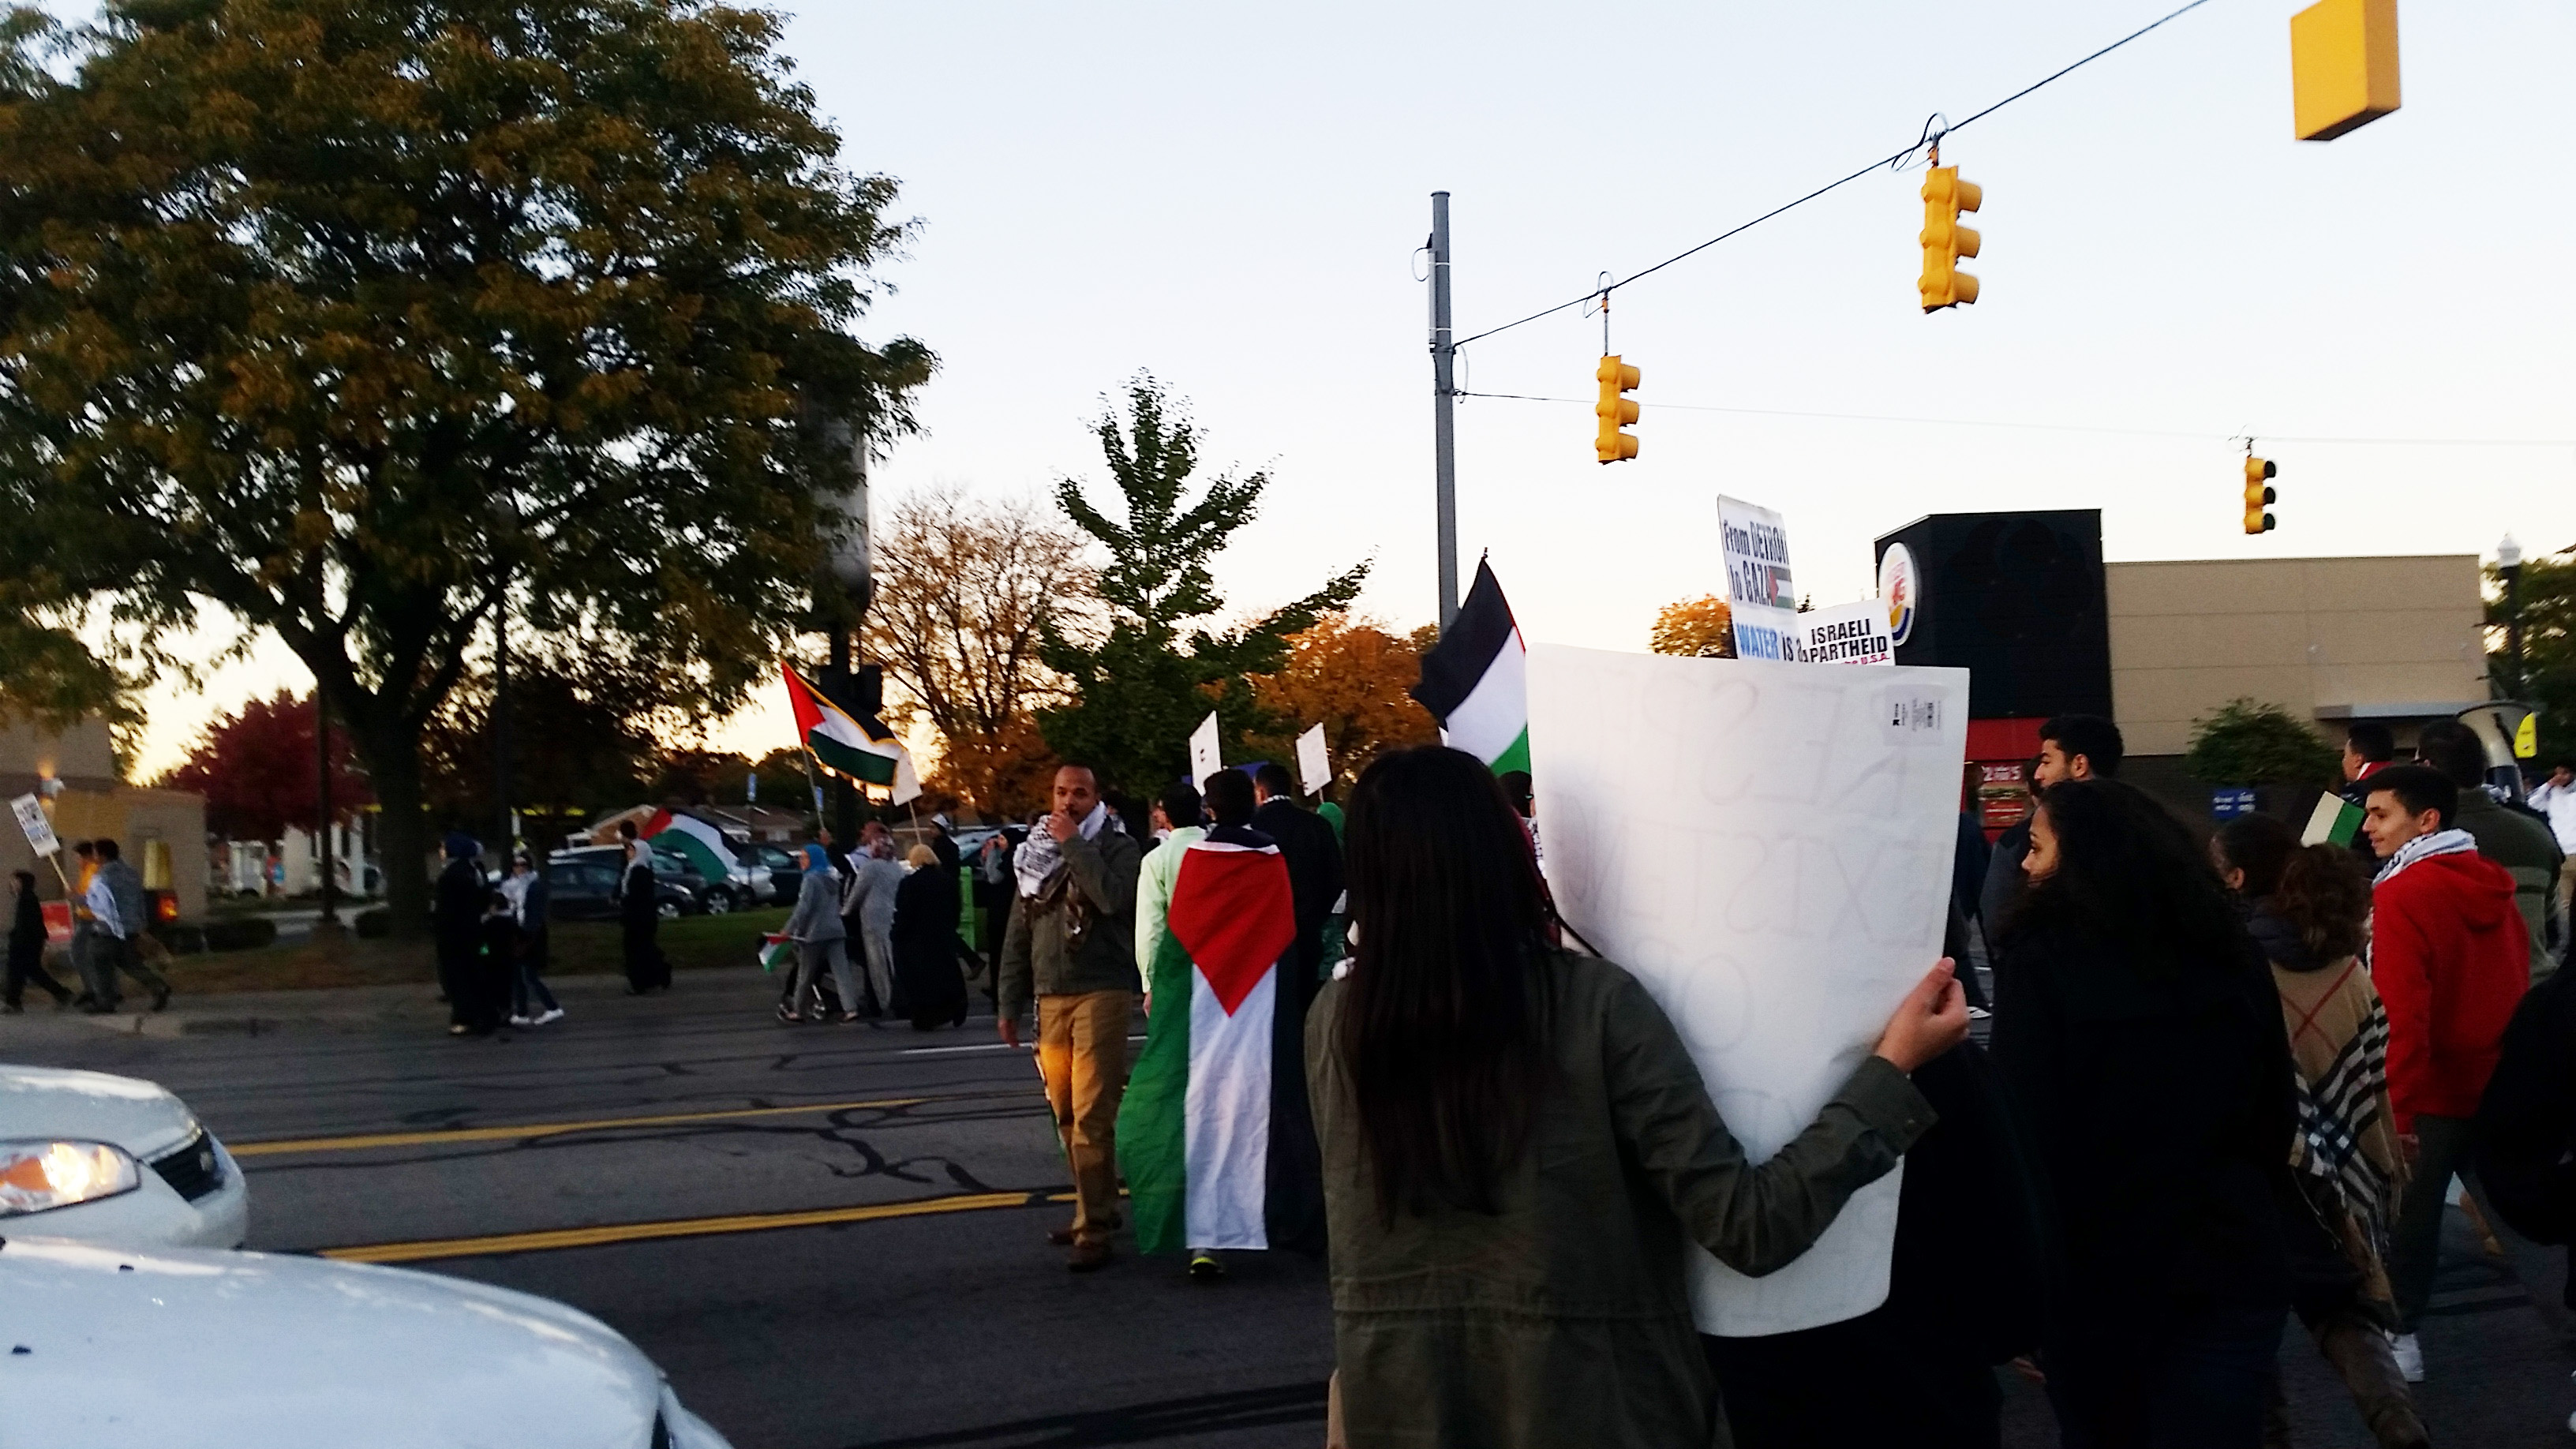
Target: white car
(103, 1159)
(111, 1346)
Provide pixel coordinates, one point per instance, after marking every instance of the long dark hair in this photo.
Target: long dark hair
(1444, 1017)
(2129, 875)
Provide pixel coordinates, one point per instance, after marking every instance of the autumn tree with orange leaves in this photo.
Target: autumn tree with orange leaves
(1350, 674)
(1703, 628)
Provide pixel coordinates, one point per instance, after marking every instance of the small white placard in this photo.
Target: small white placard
(1314, 762)
(39, 830)
(1204, 760)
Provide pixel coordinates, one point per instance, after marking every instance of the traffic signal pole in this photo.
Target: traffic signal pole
(1444, 402)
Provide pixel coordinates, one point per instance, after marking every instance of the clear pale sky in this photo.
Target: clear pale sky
(1232, 197)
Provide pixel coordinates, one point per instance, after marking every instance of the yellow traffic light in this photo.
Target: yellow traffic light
(2258, 495)
(1616, 412)
(2343, 66)
(1945, 241)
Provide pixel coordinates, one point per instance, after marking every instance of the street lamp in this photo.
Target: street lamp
(2509, 564)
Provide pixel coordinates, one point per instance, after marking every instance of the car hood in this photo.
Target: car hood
(186, 1346)
(139, 1116)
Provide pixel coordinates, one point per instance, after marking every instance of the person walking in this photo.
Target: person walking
(118, 917)
(2520, 843)
(532, 1003)
(2526, 1125)
(822, 943)
(993, 892)
(1071, 946)
(2071, 747)
(85, 931)
(457, 903)
(1314, 855)
(1181, 809)
(1969, 857)
(2451, 959)
(27, 948)
(2140, 1038)
(2308, 907)
(867, 910)
(1518, 1148)
(2555, 799)
(923, 941)
(639, 917)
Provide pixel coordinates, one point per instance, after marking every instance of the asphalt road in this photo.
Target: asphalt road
(833, 1236)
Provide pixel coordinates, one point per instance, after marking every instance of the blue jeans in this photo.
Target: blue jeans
(2178, 1379)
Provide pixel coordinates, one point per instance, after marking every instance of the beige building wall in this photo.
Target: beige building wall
(163, 832)
(2329, 639)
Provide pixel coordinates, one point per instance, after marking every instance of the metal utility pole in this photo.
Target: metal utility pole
(330, 923)
(2509, 564)
(501, 727)
(1444, 402)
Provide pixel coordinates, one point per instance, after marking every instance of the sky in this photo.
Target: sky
(1233, 198)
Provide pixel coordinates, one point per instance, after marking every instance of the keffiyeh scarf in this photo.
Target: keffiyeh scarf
(2425, 847)
(1041, 856)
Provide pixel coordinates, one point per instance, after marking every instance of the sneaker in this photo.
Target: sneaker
(549, 1016)
(521, 1021)
(457, 1028)
(2409, 1355)
(1204, 1267)
(1979, 1013)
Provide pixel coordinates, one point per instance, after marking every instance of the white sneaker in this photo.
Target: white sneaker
(521, 1021)
(550, 1014)
(1979, 1013)
(2409, 1355)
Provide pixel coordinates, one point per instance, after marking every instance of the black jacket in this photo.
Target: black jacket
(1314, 856)
(925, 907)
(2155, 1093)
(27, 926)
(456, 909)
(2527, 1120)
(2004, 879)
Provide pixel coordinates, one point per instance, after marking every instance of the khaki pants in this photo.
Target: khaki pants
(1082, 1053)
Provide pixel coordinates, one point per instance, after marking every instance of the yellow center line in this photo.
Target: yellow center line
(425, 1251)
(544, 1129)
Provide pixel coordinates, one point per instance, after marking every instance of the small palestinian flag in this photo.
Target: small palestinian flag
(2335, 821)
(1475, 680)
(776, 951)
(863, 750)
(1214, 1136)
(692, 839)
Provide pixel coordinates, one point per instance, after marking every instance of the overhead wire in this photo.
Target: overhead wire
(1930, 136)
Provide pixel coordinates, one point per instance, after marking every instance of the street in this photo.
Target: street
(833, 1236)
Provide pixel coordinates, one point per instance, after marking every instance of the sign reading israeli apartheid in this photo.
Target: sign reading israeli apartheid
(1846, 634)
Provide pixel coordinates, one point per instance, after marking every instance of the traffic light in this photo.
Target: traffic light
(1616, 412)
(2258, 493)
(1945, 241)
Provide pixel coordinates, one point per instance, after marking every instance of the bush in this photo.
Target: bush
(2250, 743)
(240, 933)
(373, 924)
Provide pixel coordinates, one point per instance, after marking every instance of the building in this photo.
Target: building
(2025, 602)
(72, 773)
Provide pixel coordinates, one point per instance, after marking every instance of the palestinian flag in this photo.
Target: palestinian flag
(2335, 821)
(776, 951)
(862, 750)
(1475, 680)
(692, 839)
(1214, 1137)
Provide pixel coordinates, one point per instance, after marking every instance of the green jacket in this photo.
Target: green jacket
(1036, 954)
(2528, 852)
(1564, 1319)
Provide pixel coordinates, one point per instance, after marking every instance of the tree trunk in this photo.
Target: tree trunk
(402, 828)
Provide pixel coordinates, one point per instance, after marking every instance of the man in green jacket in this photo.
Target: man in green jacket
(2518, 842)
(1071, 943)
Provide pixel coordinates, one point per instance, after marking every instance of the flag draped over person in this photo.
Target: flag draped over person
(860, 749)
(1474, 680)
(1214, 1137)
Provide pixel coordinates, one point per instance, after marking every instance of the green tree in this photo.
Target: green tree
(1140, 683)
(350, 320)
(2247, 742)
(2548, 597)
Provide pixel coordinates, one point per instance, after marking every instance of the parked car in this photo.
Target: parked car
(582, 885)
(746, 883)
(112, 1160)
(786, 871)
(187, 1346)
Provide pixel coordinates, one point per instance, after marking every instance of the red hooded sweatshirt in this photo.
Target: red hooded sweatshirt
(2450, 957)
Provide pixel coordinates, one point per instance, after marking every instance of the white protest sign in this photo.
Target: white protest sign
(1204, 760)
(1846, 634)
(39, 830)
(1755, 547)
(1767, 848)
(1314, 761)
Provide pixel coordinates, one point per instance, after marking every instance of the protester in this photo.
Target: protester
(1180, 805)
(118, 917)
(1314, 855)
(993, 894)
(2307, 907)
(85, 931)
(639, 917)
(1071, 945)
(1969, 857)
(943, 846)
(2555, 799)
(1214, 1136)
(924, 942)
(2367, 749)
(496, 967)
(2451, 959)
(2071, 747)
(1521, 792)
(821, 940)
(457, 905)
(1518, 1147)
(2514, 840)
(2137, 1029)
(2526, 1139)
(532, 1003)
(27, 948)
(867, 914)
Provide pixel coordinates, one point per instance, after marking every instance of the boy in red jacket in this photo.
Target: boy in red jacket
(2450, 956)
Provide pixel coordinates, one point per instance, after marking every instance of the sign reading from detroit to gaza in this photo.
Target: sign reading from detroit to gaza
(1767, 847)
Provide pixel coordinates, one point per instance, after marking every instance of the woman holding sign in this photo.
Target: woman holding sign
(1517, 1147)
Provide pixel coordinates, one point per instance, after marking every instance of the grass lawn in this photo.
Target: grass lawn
(579, 948)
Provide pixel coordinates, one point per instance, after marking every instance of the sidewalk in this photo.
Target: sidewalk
(407, 1006)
